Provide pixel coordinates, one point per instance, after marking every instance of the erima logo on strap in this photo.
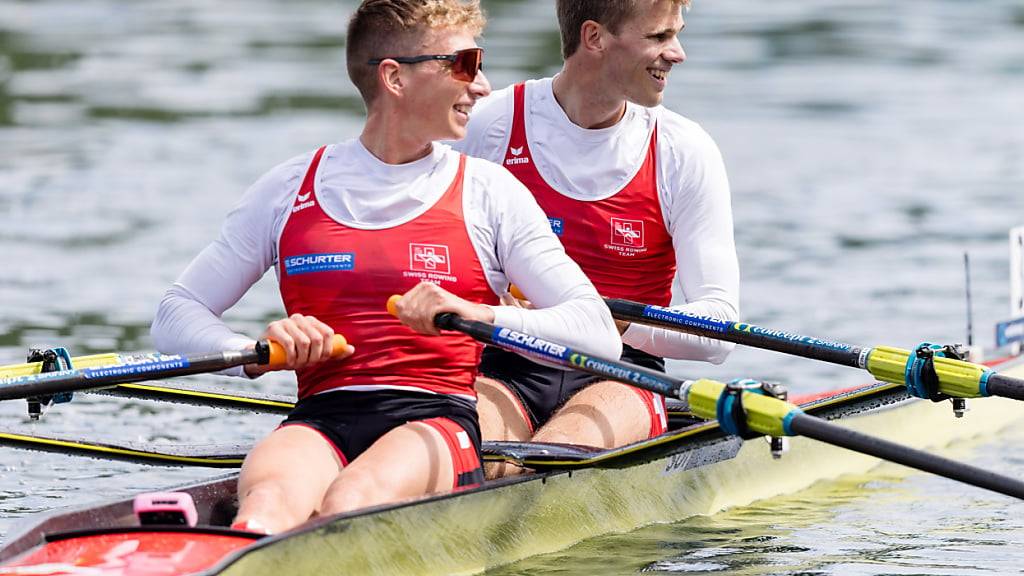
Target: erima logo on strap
(516, 159)
(303, 201)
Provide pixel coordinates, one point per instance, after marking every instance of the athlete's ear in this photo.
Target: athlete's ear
(592, 37)
(389, 77)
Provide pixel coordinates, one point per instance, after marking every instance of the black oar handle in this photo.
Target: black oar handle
(562, 355)
(824, 431)
(1007, 386)
(739, 333)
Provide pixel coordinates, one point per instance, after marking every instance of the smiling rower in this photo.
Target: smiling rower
(637, 194)
(347, 226)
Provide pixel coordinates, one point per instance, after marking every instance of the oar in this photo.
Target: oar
(739, 410)
(178, 393)
(223, 456)
(215, 397)
(955, 378)
(139, 367)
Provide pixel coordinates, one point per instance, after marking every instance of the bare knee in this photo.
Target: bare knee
(352, 490)
(605, 414)
(267, 503)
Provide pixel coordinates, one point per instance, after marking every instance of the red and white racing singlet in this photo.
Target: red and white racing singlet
(344, 276)
(621, 242)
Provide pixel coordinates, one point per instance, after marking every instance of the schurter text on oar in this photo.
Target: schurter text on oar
(530, 344)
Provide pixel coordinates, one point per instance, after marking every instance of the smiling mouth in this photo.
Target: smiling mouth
(660, 75)
(463, 108)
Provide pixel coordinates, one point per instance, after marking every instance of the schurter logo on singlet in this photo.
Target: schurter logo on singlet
(556, 225)
(308, 263)
(515, 156)
(430, 262)
(303, 201)
(627, 237)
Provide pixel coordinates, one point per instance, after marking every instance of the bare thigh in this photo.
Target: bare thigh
(284, 478)
(411, 460)
(500, 414)
(605, 414)
(502, 420)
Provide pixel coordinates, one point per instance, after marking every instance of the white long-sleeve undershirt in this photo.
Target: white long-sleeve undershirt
(693, 191)
(508, 230)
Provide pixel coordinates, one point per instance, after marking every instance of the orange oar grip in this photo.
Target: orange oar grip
(393, 304)
(278, 357)
(516, 292)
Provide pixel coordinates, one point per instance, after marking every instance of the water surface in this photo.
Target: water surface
(869, 144)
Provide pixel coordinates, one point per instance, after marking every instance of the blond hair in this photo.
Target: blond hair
(391, 28)
(611, 14)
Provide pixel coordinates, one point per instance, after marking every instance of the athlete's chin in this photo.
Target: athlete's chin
(649, 99)
(455, 132)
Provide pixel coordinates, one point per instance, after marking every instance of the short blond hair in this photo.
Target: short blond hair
(383, 28)
(611, 14)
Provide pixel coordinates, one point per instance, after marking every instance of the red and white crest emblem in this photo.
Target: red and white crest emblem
(628, 233)
(429, 258)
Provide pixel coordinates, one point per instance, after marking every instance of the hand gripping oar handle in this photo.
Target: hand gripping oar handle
(707, 398)
(139, 367)
(956, 378)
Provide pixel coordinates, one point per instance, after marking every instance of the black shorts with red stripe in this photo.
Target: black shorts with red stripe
(541, 390)
(353, 420)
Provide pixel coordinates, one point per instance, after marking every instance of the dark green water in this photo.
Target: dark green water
(869, 144)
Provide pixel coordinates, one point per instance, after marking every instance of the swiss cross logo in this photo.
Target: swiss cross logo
(628, 232)
(429, 258)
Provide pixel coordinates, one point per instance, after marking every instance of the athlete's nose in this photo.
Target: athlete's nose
(675, 53)
(480, 86)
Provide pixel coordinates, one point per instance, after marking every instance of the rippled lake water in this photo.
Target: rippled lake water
(869, 144)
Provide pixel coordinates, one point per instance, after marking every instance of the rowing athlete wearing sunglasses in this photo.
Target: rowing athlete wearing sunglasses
(345, 227)
(639, 197)
(465, 63)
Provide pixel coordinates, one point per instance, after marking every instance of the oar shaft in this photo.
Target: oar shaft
(156, 367)
(824, 431)
(148, 367)
(738, 332)
(562, 355)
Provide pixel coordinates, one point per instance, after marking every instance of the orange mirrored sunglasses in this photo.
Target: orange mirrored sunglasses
(465, 64)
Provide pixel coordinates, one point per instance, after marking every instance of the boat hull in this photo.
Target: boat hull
(474, 532)
(696, 471)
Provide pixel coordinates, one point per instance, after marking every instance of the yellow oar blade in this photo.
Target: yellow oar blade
(30, 368)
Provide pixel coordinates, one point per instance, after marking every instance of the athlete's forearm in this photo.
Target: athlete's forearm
(184, 325)
(583, 323)
(680, 346)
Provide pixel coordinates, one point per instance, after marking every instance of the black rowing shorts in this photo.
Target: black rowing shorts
(542, 389)
(353, 420)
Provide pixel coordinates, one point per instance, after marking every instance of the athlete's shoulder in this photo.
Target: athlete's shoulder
(486, 170)
(287, 174)
(490, 124)
(494, 182)
(681, 132)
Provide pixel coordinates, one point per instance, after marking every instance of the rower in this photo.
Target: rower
(639, 197)
(351, 224)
